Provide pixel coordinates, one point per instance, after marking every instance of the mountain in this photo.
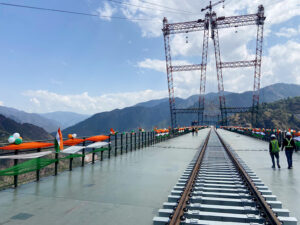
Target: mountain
(26, 130)
(156, 112)
(65, 119)
(279, 91)
(283, 114)
(152, 103)
(267, 94)
(129, 118)
(181, 103)
(32, 118)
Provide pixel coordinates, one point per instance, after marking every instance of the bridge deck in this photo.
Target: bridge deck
(284, 183)
(128, 189)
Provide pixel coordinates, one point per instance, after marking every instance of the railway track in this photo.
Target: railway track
(218, 188)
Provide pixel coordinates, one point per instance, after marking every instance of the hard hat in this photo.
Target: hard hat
(273, 136)
(288, 134)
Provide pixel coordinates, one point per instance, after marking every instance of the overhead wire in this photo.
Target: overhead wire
(166, 7)
(145, 7)
(69, 12)
(176, 11)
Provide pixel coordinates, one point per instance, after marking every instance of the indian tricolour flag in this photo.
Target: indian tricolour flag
(58, 142)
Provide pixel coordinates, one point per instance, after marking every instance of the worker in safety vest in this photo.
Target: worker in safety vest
(289, 145)
(274, 149)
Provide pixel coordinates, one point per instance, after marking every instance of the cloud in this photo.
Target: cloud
(188, 83)
(1, 103)
(279, 64)
(235, 44)
(159, 65)
(35, 101)
(282, 63)
(186, 44)
(154, 64)
(106, 11)
(281, 10)
(45, 101)
(277, 11)
(185, 83)
(288, 32)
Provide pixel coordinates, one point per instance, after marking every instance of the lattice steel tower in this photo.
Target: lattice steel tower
(214, 23)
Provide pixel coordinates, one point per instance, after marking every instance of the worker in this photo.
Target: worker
(196, 130)
(274, 150)
(289, 145)
(193, 130)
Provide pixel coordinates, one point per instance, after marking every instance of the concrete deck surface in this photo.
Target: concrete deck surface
(127, 189)
(284, 183)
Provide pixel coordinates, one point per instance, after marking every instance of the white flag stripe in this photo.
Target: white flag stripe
(98, 144)
(72, 149)
(27, 156)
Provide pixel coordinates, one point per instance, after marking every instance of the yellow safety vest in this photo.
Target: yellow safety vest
(289, 145)
(275, 146)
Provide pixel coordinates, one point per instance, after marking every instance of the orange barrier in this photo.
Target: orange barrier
(97, 138)
(29, 145)
(73, 141)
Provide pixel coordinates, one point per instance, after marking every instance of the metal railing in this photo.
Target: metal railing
(118, 144)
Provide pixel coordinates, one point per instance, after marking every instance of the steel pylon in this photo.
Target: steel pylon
(215, 23)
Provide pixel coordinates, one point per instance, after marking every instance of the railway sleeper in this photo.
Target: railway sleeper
(219, 194)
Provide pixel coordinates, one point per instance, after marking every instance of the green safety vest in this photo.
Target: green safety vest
(275, 146)
(289, 145)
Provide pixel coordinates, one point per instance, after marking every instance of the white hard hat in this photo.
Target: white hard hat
(273, 136)
(288, 134)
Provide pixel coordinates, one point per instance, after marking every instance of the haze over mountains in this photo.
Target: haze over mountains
(267, 94)
(64, 119)
(156, 112)
(27, 131)
(145, 114)
(48, 121)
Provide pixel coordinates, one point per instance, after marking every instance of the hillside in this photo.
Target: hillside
(65, 119)
(281, 114)
(32, 118)
(27, 131)
(156, 112)
(267, 94)
(122, 119)
(152, 103)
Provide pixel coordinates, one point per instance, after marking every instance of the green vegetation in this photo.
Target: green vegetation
(282, 114)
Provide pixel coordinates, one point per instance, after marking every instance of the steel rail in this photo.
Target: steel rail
(268, 213)
(177, 216)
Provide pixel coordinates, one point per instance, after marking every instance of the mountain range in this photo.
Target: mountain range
(48, 121)
(27, 131)
(64, 119)
(267, 94)
(145, 114)
(156, 112)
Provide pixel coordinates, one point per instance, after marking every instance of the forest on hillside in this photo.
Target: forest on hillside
(282, 114)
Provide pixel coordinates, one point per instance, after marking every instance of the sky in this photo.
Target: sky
(51, 61)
